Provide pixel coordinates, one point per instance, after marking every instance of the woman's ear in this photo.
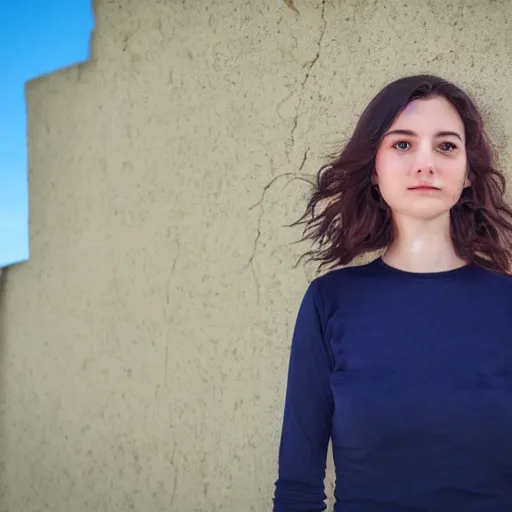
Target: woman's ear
(375, 178)
(467, 181)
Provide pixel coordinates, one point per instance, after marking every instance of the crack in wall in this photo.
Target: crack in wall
(309, 66)
(304, 158)
(256, 282)
(260, 203)
(175, 478)
(171, 317)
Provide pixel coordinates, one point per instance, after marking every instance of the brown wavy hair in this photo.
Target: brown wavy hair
(345, 216)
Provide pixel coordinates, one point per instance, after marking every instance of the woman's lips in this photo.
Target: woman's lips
(424, 189)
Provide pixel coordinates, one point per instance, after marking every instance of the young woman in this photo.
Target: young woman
(405, 363)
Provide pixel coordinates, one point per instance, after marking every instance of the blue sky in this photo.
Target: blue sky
(36, 38)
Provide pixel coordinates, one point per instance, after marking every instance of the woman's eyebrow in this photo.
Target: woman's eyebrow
(448, 134)
(414, 134)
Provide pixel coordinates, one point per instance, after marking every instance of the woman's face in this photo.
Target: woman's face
(421, 161)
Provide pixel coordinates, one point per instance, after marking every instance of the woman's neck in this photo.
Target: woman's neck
(422, 246)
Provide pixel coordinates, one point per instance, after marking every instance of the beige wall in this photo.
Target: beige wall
(144, 345)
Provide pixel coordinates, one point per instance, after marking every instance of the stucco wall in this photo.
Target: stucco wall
(144, 345)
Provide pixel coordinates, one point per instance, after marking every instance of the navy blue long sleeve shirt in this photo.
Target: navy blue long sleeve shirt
(410, 376)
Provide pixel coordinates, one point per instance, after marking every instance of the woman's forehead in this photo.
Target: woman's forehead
(429, 112)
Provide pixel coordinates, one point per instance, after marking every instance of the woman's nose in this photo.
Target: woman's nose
(425, 170)
(424, 161)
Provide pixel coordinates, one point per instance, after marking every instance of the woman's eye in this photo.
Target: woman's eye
(446, 147)
(401, 146)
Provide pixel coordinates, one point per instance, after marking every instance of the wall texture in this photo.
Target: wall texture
(144, 345)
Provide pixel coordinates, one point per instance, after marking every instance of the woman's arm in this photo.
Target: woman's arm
(307, 413)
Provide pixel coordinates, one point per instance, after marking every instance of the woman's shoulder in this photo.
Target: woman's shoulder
(495, 279)
(334, 283)
(349, 273)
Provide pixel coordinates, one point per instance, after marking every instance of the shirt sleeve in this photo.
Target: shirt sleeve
(307, 413)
